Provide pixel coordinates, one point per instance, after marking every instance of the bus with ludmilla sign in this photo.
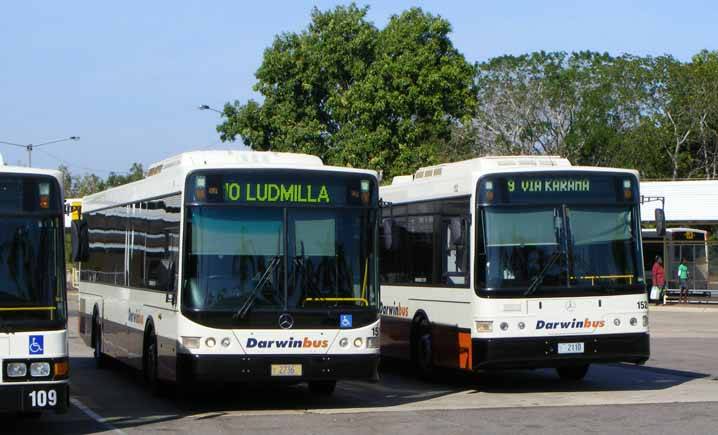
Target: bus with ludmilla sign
(226, 266)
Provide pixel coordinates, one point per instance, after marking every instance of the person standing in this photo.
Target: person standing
(683, 278)
(659, 278)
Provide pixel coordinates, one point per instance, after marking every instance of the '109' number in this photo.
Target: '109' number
(42, 398)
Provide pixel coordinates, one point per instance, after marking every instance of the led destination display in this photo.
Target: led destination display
(282, 188)
(570, 187)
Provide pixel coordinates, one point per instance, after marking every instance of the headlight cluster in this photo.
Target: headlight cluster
(371, 342)
(211, 342)
(29, 369)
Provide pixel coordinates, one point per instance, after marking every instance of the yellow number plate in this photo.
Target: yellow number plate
(286, 370)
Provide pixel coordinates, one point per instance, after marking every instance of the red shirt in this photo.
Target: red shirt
(659, 275)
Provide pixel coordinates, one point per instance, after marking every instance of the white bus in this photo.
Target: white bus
(513, 262)
(226, 266)
(33, 309)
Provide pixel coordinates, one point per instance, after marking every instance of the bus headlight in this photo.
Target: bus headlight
(210, 342)
(634, 321)
(504, 326)
(645, 320)
(40, 369)
(617, 321)
(484, 326)
(344, 342)
(226, 342)
(522, 325)
(190, 342)
(358, 342)
(16, 370)
(372, 342)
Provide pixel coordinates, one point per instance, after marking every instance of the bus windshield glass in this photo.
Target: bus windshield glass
(31, 281)
(547, 232)
(259, 246)
(521, 243)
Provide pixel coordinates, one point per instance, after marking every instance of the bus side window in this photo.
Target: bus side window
(454, 251)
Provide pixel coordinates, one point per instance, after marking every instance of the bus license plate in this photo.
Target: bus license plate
(43, 398)
(570, 348)
(286, 370)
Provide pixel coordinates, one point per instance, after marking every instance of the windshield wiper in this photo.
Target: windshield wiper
(247, 305)
(539, 278)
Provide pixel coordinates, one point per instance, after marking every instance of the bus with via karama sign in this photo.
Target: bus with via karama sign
(513, 262)
(233, 266)
(33, 308)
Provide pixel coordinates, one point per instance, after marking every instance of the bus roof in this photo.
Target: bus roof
(167, 176)
(457, 178)
(4, 169)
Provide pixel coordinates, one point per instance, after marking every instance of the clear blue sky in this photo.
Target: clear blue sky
(128, 76)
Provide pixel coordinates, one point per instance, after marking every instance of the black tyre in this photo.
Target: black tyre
(423, 349)
(149, 364)
(573, 373)
(323, 388)
(100, 358)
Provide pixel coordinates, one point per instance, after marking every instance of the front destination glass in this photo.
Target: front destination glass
(259, 244)
(549, 234)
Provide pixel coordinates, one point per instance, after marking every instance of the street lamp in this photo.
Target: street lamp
(30, 147)
(206, 107)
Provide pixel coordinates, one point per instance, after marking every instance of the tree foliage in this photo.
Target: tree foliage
(78, 186)
(402, 96)
(356, 95)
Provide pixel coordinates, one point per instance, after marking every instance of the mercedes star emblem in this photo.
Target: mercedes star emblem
(286, 321)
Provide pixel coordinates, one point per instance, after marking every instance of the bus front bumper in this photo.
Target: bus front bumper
(542, 352)
(20, 398)
(250, 368)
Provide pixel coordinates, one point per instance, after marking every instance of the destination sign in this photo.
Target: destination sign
(272, 192)
(563, 188)
(301, 188)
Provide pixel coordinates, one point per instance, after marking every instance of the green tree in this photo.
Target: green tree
(357, 96)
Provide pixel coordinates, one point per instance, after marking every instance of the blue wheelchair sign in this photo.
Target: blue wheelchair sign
(36, 345)
(345, 321)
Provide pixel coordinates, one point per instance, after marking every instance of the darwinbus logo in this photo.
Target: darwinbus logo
(573, 324)
(394, 310)
(291, 343)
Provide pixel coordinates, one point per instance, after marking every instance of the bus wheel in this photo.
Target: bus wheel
(572, 373)
(323, 388)
(149, 363)
(423, 349)
(100, 359)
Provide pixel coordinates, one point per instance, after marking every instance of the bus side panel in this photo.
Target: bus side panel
(396, 337)
(165, 324)
(452, 347)
(85, 315)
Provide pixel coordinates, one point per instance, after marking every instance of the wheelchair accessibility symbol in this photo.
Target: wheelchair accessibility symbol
(345, 321)
(36, 345)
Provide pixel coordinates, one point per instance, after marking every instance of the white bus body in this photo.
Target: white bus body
(33, 309)
(513, 262)
(235, 266)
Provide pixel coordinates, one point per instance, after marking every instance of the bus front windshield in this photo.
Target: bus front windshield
(561, 246)
(31, 278)
(277, 258)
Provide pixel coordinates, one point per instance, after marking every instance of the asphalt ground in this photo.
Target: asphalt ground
(676, 391)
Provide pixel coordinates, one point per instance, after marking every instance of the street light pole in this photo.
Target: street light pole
(30, 147)
(206, 107)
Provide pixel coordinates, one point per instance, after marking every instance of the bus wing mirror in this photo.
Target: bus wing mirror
(660, 222)
(80, 243)
(386, 225)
